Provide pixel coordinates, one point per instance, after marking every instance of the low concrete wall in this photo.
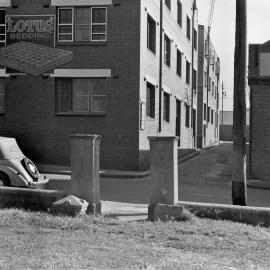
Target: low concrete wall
(34, 199)
(226, 133)
(244, 214)
(144, 157)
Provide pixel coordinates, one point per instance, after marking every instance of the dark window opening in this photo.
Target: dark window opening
(179, 13)
(167, 50)
(150, 100)
(188, 28)
(166, 107)
(187, 72)
(187, 115)
(179, 63)
(168, 3)
(151, 34)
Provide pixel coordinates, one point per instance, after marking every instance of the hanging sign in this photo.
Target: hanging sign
(32, 28)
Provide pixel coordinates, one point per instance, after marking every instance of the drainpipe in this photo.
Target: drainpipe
(160, 65)
(194, 7)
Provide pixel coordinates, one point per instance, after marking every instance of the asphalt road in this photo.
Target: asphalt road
(205, 178)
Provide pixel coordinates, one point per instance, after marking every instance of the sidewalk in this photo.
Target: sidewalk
(65, 170)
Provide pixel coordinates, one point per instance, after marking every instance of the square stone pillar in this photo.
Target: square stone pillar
(163, 174)
(85, 182)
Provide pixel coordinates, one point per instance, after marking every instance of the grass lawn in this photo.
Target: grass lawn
(33, 240)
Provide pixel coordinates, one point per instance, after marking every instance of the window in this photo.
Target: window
(150, 100)
(99, 24)
(187, 72)
(168, 3)
(80, 96)
(195, 41)
(82, 24)
(179, 63)
(151, 34)
(187, 115)
(208, 114)
(166, 107)
(212, 116)
(188, 28)
(205, 79)
(167, 50)
(2, 28)
(204, 112)
(213, 88)
(2, 95)
(209, 84)
(179, 13)
(142, 115)
(65, 24)
(194, 80)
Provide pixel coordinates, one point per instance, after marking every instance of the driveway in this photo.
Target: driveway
(205, 178)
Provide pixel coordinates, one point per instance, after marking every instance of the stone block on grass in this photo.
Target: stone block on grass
(70, 206)
(165, 212)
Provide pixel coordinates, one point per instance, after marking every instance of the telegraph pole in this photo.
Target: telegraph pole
(222, 93)
(239, 187)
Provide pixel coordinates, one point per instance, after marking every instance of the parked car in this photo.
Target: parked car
(16, 169)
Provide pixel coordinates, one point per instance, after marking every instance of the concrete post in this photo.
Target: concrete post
(163, 175)
(85, 184)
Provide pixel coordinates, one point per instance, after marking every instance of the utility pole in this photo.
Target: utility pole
(239, 187)
(223, 93)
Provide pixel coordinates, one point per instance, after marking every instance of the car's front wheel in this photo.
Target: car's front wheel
(4, 180)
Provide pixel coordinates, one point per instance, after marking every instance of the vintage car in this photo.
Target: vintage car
(16, 169)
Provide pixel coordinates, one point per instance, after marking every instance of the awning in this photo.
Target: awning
(32, 58)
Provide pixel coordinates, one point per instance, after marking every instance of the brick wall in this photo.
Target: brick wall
(211, 128)
(30, 114)
(259, 115)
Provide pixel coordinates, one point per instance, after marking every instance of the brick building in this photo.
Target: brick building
(113, 84)
(208, 101)
(259, 83)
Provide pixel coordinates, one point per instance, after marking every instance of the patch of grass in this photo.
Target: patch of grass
(33, 240)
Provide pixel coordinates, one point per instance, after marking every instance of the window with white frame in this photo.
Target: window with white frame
(2, 27)
(99, 24)
(65, 24)
(80, 95)
(82, 24)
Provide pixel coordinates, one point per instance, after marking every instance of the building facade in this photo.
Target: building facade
(208, 91)
(134, 64)
(259, 83)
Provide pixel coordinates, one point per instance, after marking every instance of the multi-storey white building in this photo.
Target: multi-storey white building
(208, 91)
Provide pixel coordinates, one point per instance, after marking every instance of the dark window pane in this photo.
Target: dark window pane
(167, 50)
(65, 37)
(179, 63)
(151, 34)
(100, 29)
(98, 37)
(150, 100)
(168, 3)
(188, 27)
(65, 16)
(2, 37)
(98, 15)
(166, 107)
(65, 29)
(2, 16)
(179, 13)
(64, 95)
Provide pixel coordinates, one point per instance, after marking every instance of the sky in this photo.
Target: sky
(223, 33)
